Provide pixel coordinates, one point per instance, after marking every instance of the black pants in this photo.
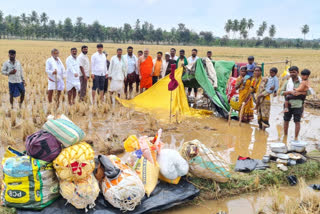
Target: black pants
(154, 80)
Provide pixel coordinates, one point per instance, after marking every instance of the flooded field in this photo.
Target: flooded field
(107, 127)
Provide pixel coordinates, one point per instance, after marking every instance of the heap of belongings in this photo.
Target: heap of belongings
(58, 162)
(285, 155)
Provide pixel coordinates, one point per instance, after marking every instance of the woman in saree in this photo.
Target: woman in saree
(263, 111)
(244, 85)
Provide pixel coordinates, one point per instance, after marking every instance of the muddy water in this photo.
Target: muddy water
(245, 204)
(246, 140)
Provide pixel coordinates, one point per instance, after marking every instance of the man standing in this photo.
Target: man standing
(13, 69)
(117, 73)
(191, 60)
(296, 105)
(182, 60)
(209, 55)
(132, 72)
(56, 73)
(173, 54)
(167, 64)
(106, 82)
(140, 53)
(99, 72)
(73, 73)
(84, 64)
(145, 66)
(157, 68)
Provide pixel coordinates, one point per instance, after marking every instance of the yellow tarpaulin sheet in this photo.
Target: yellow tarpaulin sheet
(156, 100)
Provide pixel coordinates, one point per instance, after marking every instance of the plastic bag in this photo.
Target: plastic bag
(131, 144)
(124, 191)
(81, 193)
(28, 183)
(204, 163)
(75, 162)
(170, 181)
(64, 130)
(172, 165)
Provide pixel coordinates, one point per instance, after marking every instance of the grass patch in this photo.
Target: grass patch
(258, 179)
(7, 210)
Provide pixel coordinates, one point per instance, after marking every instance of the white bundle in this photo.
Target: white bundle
(172, 165)
(125, 192)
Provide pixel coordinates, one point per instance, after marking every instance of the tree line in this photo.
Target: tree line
(36, 26)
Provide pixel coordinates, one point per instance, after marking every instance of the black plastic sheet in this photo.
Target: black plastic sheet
(163, 197)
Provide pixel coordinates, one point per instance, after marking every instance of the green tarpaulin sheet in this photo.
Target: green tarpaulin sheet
(200, 78)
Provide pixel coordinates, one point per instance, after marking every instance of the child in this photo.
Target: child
(250, 66)
(272, 86)
(299, 93)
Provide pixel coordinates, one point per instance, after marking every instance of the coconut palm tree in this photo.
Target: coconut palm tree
(235, 27)
(305, 30)
(243, 26)
(228, 26)
(44, 18)
(250, 25)
(272, 31)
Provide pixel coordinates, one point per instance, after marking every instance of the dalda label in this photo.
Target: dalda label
(16, 193)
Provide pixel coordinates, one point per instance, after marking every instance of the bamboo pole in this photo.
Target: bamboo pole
(229, 119)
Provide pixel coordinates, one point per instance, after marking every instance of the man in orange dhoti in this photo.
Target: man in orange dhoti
(145, 66)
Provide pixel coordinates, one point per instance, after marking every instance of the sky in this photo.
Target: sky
(199, 15)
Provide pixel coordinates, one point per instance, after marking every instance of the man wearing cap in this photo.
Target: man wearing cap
(167, 64)
(132, 70)
(191, 60)
(13, 69)
(157, 68)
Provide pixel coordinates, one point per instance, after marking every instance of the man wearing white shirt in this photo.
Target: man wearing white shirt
(56, 73)
(99, 72)
(191, 60)
(84, 64)
(73, 76)
(132, 71)
(173, 54)
(117, 73)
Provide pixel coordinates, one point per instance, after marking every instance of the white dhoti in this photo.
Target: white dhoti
(73, 84)
(116, 86)
(52, 85)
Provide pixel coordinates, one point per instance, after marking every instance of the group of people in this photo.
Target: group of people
(253, 88)
(122, 71)
(125, 70)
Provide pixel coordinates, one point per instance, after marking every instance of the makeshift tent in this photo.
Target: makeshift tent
(156, 100)
(200, 79)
